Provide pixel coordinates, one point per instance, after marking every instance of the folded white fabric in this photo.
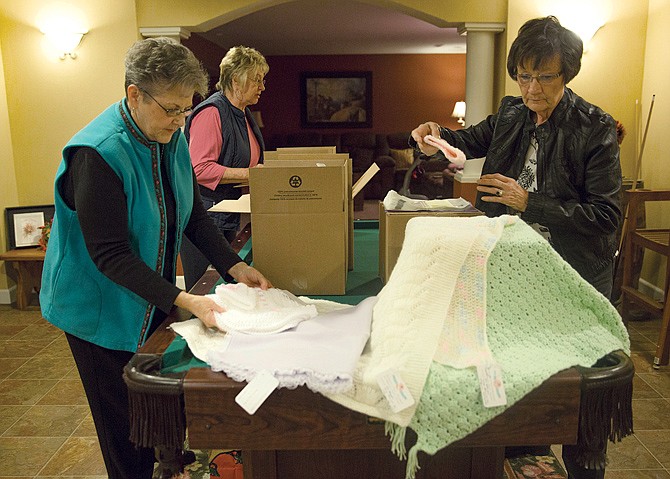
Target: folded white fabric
(395, 201)
(257, 311)
(321, 353)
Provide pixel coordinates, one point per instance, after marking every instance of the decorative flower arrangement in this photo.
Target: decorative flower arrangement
(46, 232)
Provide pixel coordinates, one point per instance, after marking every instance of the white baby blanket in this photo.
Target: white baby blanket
(257, 311)
(320, 353)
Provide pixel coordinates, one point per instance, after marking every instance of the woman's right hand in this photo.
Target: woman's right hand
(420, 132)
(200, 306)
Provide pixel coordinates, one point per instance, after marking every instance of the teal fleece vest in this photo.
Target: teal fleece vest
(75, 296)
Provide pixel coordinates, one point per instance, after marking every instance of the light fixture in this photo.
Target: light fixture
(459, 112)
(64, 42)
(585, 28)
(63, 26)
(258, 118)
(583, 18)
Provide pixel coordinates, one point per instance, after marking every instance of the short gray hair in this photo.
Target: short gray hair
(161, 64)
(237, 64)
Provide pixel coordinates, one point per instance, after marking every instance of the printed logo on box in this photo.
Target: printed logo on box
(295, 181)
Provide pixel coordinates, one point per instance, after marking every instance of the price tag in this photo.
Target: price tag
(491, 384)
(395, 390)
(257, 391)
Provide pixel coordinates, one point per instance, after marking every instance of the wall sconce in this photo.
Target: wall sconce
(583, 18)
(459, 112)
(64, 42)
(63, 26)
(585, 28)
(258, 118)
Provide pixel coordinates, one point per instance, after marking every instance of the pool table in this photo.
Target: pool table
(299, 434)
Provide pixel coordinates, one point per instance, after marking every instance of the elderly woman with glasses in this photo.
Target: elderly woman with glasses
(225, 141)
(125, 193)
(551, 157)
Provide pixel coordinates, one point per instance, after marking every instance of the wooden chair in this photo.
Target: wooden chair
(657, 240)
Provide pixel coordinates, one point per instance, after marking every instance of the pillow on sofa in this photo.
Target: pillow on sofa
(403, 158)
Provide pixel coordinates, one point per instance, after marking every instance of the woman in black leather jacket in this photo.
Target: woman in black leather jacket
(551, 157)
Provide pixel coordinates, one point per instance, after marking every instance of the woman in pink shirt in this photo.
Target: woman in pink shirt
(224, 142)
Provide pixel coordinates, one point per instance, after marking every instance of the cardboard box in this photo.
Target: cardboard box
(300, 216)
(325, 159)
(392, 233)
(465, 181)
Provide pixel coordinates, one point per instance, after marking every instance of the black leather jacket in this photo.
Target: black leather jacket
(578, 174)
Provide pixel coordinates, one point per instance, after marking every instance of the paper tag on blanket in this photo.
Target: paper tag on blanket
(395, 390)
(491, 384)
(257, 391)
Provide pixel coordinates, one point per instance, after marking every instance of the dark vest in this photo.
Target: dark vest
(235, 151)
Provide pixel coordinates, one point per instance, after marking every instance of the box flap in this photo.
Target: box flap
(240, 205)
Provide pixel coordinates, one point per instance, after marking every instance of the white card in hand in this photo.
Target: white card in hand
(395, 390)
(257, 391)
(491, 384)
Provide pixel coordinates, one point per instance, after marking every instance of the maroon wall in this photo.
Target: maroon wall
(406, 89)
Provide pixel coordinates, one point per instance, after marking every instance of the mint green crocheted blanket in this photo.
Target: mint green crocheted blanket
(542, 317)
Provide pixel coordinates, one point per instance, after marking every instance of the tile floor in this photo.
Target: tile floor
(46, 429)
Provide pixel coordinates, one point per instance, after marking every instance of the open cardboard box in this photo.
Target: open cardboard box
(392, 233)
(302, 221)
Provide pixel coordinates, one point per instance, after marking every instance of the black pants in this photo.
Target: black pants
(101, 373)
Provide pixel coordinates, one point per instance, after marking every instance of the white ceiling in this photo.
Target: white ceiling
(327, 27)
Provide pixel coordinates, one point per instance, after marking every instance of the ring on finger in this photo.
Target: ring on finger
(499, 193)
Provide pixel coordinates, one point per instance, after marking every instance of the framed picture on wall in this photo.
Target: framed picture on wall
(24, 224)
(336, 99)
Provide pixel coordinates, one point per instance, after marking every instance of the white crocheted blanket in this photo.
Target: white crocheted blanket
(541, 317)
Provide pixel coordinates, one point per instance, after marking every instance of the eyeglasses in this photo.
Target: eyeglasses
(525, 78)
(171, 112)
(259, 81)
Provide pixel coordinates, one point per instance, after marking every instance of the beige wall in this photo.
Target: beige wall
(655, 161)
(8, 193)
(50, 99)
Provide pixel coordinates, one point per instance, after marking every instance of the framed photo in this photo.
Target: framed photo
(336, 99)
(24, 224)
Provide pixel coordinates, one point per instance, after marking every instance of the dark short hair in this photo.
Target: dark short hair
(540, 40)
(161, 63)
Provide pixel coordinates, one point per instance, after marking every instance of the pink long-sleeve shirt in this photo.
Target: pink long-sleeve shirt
(205, 147)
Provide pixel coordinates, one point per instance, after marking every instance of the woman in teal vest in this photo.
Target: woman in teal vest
(125, 193)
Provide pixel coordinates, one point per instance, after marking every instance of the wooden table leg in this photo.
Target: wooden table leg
(259, 464)
(29, 277)
(487, 462)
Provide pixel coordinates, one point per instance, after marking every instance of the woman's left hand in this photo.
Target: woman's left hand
(503, 189)
(243, 273)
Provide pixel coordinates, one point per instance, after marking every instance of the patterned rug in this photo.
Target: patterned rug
(534, 467)
(223, 464)
(228, 465)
